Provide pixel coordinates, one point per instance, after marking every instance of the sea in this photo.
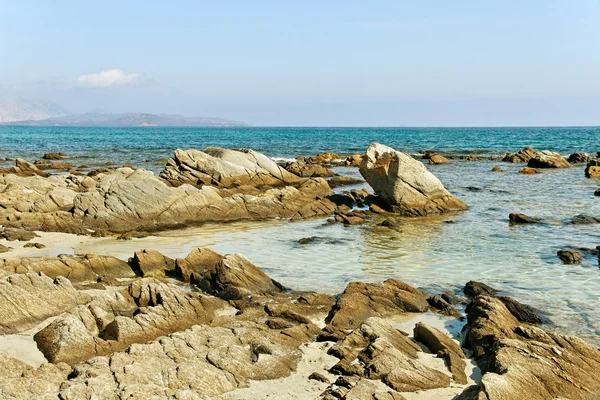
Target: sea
(434, 253)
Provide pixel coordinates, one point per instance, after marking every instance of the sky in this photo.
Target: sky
(310, 63)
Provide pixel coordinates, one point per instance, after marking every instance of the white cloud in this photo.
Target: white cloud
(109, 78)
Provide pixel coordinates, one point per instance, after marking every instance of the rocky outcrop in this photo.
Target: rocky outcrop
(127, 200)
(77, 268)
(305, 170)
(23, 168)
(151, 263)
(592, 170)
(161, 309)
(548, 159)
(26, 300)
(21, 235)
(360, 301)
(404, 184)
(522, 361)
(578, 158)
(522, 156)
(443, 345)
(225, 168)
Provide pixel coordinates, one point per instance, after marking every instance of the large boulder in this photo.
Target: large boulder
(225, 168)
(404, 184)
(520, 361)
(578, 158)
(522, 156)
(548, 159)
(592, 170)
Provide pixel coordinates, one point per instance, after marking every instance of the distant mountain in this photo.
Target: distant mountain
(128, 119)
(19, 110)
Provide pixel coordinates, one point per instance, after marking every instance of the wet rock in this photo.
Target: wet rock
(21, 235)
(353, 160)
(437, 159)
(55, 156)
(528, 171)
(360, 301)
(569, 256)
(496, 169)
(522, 312)
(390, 222)
(474, 288)
(338, 181)
(27, 300)
(578, 158)
(523, 156)
(548, 159)
(59, 165)
(4, 249)
(24, 168)
(315, 376)
(317, 240)
(592, 170)
(225, 168)
(597, 192)
(441, 344)
(442, 306)
(526, 362)
(199, 264)
(150, 263)
(308, 170)
(516, 218)
(404, 184)
(584, 220)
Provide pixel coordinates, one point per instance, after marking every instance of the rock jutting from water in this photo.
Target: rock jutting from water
(404, 184)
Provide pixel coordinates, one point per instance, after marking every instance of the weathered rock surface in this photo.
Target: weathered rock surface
(55, 156)
(528, 171)
(548, 159)
(22, 235)
(151, 263)
(437, 159)
(442, 345)
(78, 268)
(23, 168)
(225, 168)
(404, 184)
(522, 156)
(305, 170)
(162, 309)
(338, 181)
(522, 361)
(360, 301)
(126, 200)
(592, 170)
(26, 300)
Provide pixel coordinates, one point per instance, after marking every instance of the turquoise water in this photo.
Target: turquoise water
(136, 145)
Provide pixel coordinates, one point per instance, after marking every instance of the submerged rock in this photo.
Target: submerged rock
(584, 220)
(528, 171)
(592, 170)
(436, 159)
(404, 184)
(569, 256)
(496, 169)
(516, 218)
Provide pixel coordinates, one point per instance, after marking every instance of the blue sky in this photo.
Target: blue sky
(385, 63)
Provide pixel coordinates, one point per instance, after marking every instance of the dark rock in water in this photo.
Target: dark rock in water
(528, 171)
(523, 156)
(55, 156)
(548, 159)
(592, 170)
(12, 234)
(577, 158)
(473, 188)
(516, 218)
(474, 288)
(438, 303)
(317, 239)
(496, 169)
(597, 192)
(584, 220)
(569, 256)
(522, 312)
(390, 222)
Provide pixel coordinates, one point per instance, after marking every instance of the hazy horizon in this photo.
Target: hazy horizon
(310, 64)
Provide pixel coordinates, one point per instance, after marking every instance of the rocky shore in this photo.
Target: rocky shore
(216, 326)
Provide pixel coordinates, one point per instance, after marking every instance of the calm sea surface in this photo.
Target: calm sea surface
(433, 253)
